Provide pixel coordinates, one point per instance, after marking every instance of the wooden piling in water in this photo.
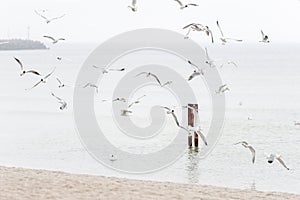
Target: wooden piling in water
(192, 122)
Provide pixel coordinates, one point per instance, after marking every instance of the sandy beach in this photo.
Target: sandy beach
(17, 183)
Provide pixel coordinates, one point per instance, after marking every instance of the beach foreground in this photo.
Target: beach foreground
(17, 183)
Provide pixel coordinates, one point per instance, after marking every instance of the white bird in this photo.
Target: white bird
(183, 6)
(209, 61)
(133, 6)
(119, 99)
(229, 62)
(195, 74)
(265, 38)
(222, 89)
(43, 79)
(199, 28)
(54, 41)
(48, 20)
(112, 157)
(106, 71)
(23, 72)
(63, 104)
(199, 132)
(137, 101)
(272, 157)
(92, 86)
(247, 146)
(126, 112)
(225, 39)
(61, 84)
(149, 74)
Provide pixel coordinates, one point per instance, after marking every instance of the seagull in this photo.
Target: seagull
(194, 65)
(92, 86)
(43, 80)
(126, 112)
(119, 99)
(265, 38)
(48, 20)
(23, 72)
(54, 41)
(222, 89)
(199, 28)
(112, 157)
(209, 61)
(272, 157)
(137, 101)
(246, 145)
(196, 73)
(183, 6)
(133, 6)
(224, 39)
(61, 84)
(199, 132)
(63, 104)
(229, 62)
(105, 71)
(148, 74)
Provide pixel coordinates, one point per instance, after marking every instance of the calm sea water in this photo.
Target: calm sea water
(35, 134)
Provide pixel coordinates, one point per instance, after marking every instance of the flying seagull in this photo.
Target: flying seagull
(92, 86)
(222, 89)
(265, 38)
(133, 6)
(62, 103)
(48, 20)
(61, 84)
(225, 39)
(23, 72)
(199, 28)
(247, 146)
(116, 100)
(229, 62)
(54, 41)
(43, 79)
(172, 113)
(272, 157)
(195, 74)
(183, 6)
(105, 71)
(209, 61)
(149, 74)
(137, 101)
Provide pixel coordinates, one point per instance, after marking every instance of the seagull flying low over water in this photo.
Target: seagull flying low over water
(183, 6)
(91, 85)
(222, 89)
(246, 145)
(209, 61)
(54, 41)
(265, 38)
(133, 6)
(23, 72)
(48, 20)
(117, 99)
(199, 28)
(43, 79)
(149, 74)
(137, 101)
(272, 157)
(223, 38)
(196, 73)
(63, 104)
(105, 71)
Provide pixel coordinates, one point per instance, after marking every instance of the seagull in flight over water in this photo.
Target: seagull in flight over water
(61, 84)
(133, 6)
(272, 157)
(43, 79)
(183, 6)
(247, 146)
(54, 41)
(63, 104)
(92, 86)
(225, 39)
(149, 74)
(23, 72)
(199, 28)
(106, 71)
(48, 20)
(222, 89)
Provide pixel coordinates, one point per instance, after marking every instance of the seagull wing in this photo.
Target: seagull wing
(192, 4)
(57, 17)
(179, 2)
(193, 75)
(59, 81)
(34, 85)
(175, 118)
(141, 74)
(33, 72)
(42, 16)
(281, 162)
(242, 142)
(220, 28)
(59, 99)
(49, 37)
(140, 97)
(61, 39)
(188, 25)
(253, 153)
(237, 40)
(156, 78)
(202, 137)
(50, 74)
(20, 63)
(206, 53)
(194, 65)
(168, 109)
(263, 35)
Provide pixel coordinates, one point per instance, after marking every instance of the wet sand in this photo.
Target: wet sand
(17, 183)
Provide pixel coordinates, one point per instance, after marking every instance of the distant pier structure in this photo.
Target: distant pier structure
(193, 139)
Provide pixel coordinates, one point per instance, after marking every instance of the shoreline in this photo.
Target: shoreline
(19, 183)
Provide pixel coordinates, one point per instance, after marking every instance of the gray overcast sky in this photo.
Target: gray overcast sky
(97, 20)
